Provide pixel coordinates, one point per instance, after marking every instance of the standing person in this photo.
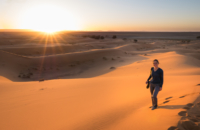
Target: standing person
(155, 83)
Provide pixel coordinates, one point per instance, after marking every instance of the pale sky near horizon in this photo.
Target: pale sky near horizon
(101, 15)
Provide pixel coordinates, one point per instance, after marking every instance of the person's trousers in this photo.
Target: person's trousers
(154, 89)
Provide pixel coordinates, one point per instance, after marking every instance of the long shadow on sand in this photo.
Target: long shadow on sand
(171, 107)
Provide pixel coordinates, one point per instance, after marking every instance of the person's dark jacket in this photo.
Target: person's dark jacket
(157, 76)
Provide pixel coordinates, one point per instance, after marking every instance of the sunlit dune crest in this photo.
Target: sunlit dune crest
(49, 18)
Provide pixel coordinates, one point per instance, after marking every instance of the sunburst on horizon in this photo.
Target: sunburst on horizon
(49, 19)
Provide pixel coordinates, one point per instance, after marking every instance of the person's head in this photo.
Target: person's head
(155, 62)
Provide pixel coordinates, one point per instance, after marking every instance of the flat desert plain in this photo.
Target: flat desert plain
(96, 81)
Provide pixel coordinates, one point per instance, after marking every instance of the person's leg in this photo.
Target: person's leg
(151, 90)
(155, 93)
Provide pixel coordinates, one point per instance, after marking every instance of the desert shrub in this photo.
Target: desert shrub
(40, 80)
(93, 36)
(104, 58)
(114, 36)
(22, 75)
(112, 68)
(96, 36)
(185, 41)
(135, 40)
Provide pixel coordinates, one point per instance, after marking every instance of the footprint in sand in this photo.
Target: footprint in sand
(182, 96)
(168, 98)
(190, 104)
(165, 102)
(172, 128)
(186, 107)
(182, 113)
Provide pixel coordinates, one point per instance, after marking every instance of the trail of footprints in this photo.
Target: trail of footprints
(190, 120)
(186, 107)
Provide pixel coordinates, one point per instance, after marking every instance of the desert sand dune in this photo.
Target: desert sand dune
(99, 88)
(65, 64)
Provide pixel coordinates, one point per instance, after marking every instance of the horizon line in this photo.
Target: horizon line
(30, 30)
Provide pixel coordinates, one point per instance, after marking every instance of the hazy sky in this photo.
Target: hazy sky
(107, 15)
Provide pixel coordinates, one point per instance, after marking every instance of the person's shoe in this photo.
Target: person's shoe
(154, 107)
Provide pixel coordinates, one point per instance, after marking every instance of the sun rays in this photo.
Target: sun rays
(54, 41)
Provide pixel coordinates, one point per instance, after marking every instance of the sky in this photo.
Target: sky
(101, 15)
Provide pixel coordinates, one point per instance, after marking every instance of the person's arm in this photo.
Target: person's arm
(161, 78)
(149, 76)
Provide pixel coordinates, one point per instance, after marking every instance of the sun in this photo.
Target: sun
(49, 19)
